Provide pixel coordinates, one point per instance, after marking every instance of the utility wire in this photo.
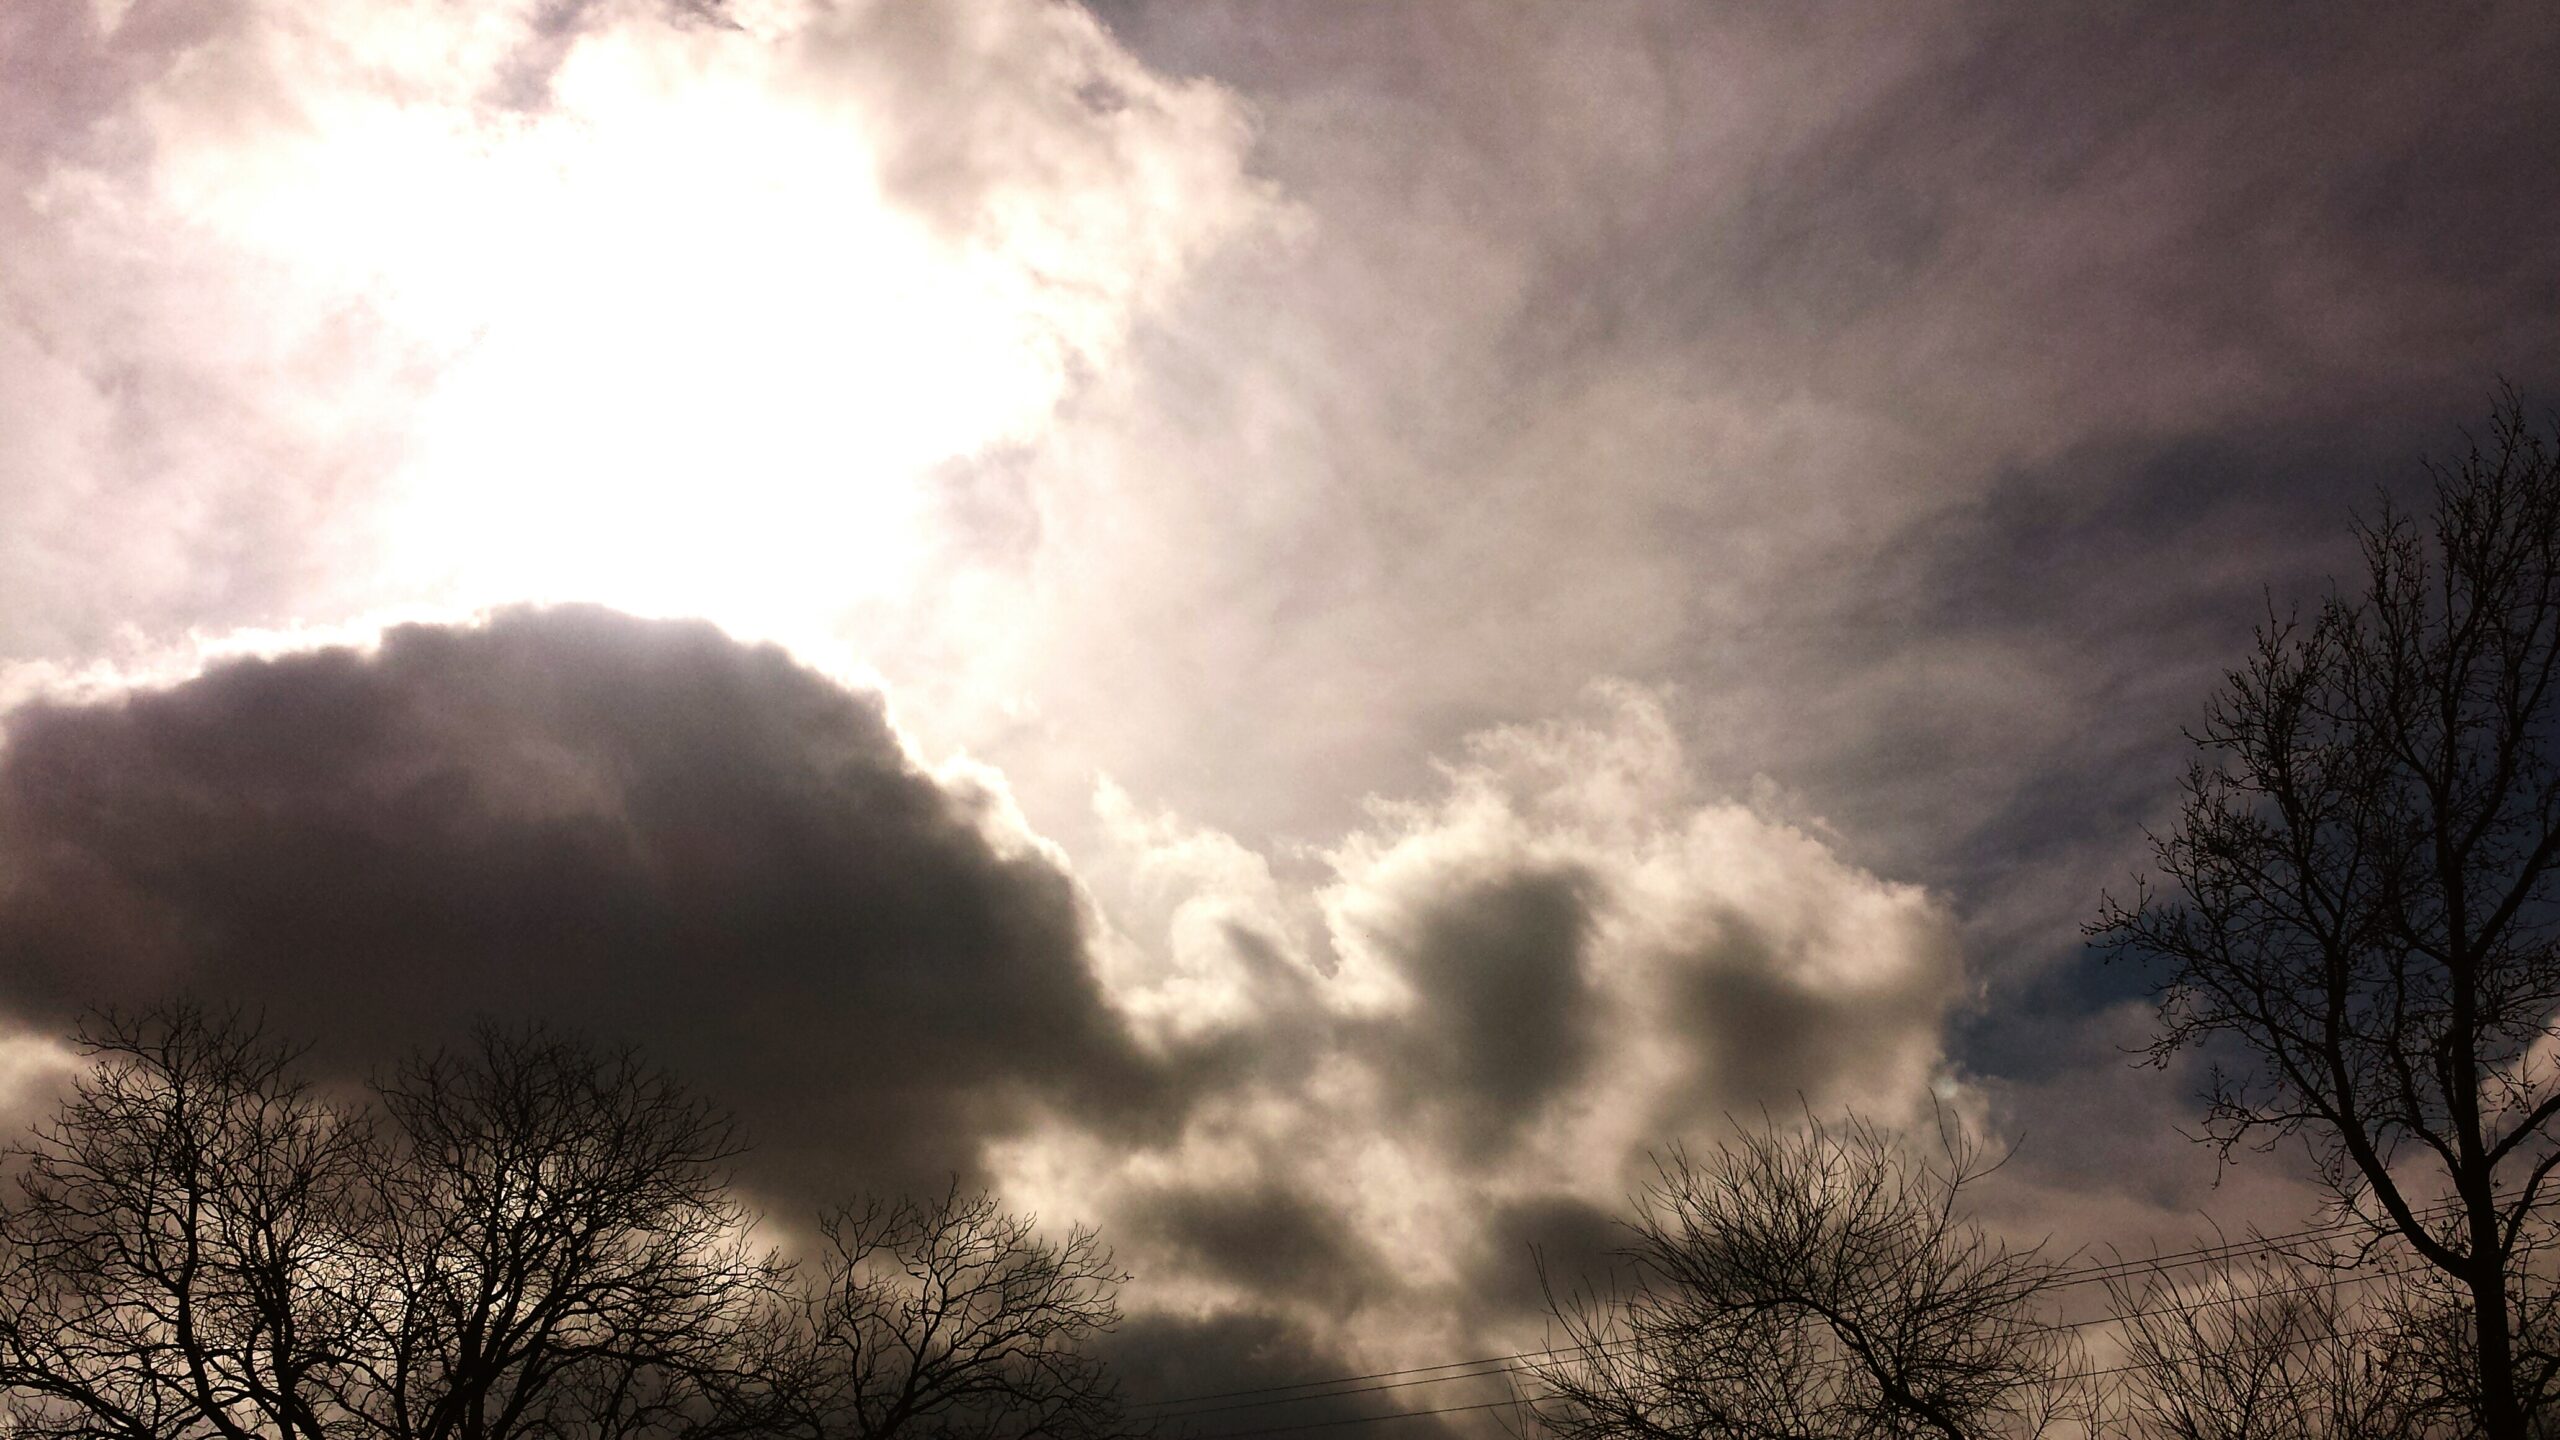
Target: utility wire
(1503, 1364)
(1614, 1346)
(2350, 1277)
(2233, 1249)
(1375, 1375)
(1499, 1368)
(2065, 1279)
(1514, 1402)
(1355, 1420)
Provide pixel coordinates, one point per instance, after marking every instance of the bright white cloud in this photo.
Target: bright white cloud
(1518, 984)
(670, 310)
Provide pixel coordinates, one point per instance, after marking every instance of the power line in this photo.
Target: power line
(2097, 1373)
(2130, 1366)
(2064, 1279)
(1505, 1361)
(1355, 1420)
(2207, 1303)
(1499, 1369)
(2233, 1249)
(2208, 1254)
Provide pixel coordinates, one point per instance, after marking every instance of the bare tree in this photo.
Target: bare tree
(2426, 1318)
(172, 1265)
(527, 1238)
(1822, 1280)
(558, 1250)
(2269, 1347)
(948, 1318)
(2357, 920)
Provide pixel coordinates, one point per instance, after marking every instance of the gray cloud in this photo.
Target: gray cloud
(1556, 1243)
(643, 829)
(1768, 1023)
(1504, 1018)
(1218, 1354)
(1269, 1240)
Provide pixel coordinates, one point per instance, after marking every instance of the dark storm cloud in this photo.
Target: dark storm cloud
(1552, 1243)
(1271, 1240)
(1505, 1018)
(1767, 1032)
(1204, 1360)
(642, 829)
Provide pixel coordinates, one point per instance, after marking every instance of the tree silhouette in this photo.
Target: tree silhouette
(2269, 1344)
(555, 1251)
(172, 1266)
(946, 1318)
(525, 1238)
(2356, 920)
(1822, 1280)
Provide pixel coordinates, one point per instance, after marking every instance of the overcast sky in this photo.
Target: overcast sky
(1295, 631)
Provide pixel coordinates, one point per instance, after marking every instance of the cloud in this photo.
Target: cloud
(642, 829)
(1271, 1241)
(1503, 1018)
(1515, 986)
(1266, 416)
(1321, 1101)
(1163, 1357)
(1250, 410)
(1927, 393)
(674, 306)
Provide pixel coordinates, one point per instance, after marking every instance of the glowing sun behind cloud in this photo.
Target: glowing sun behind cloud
(674, 311)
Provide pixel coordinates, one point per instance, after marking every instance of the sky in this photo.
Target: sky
(1298, 633)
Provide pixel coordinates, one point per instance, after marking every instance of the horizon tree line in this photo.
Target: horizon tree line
(534, 1236)
(527, 1237)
